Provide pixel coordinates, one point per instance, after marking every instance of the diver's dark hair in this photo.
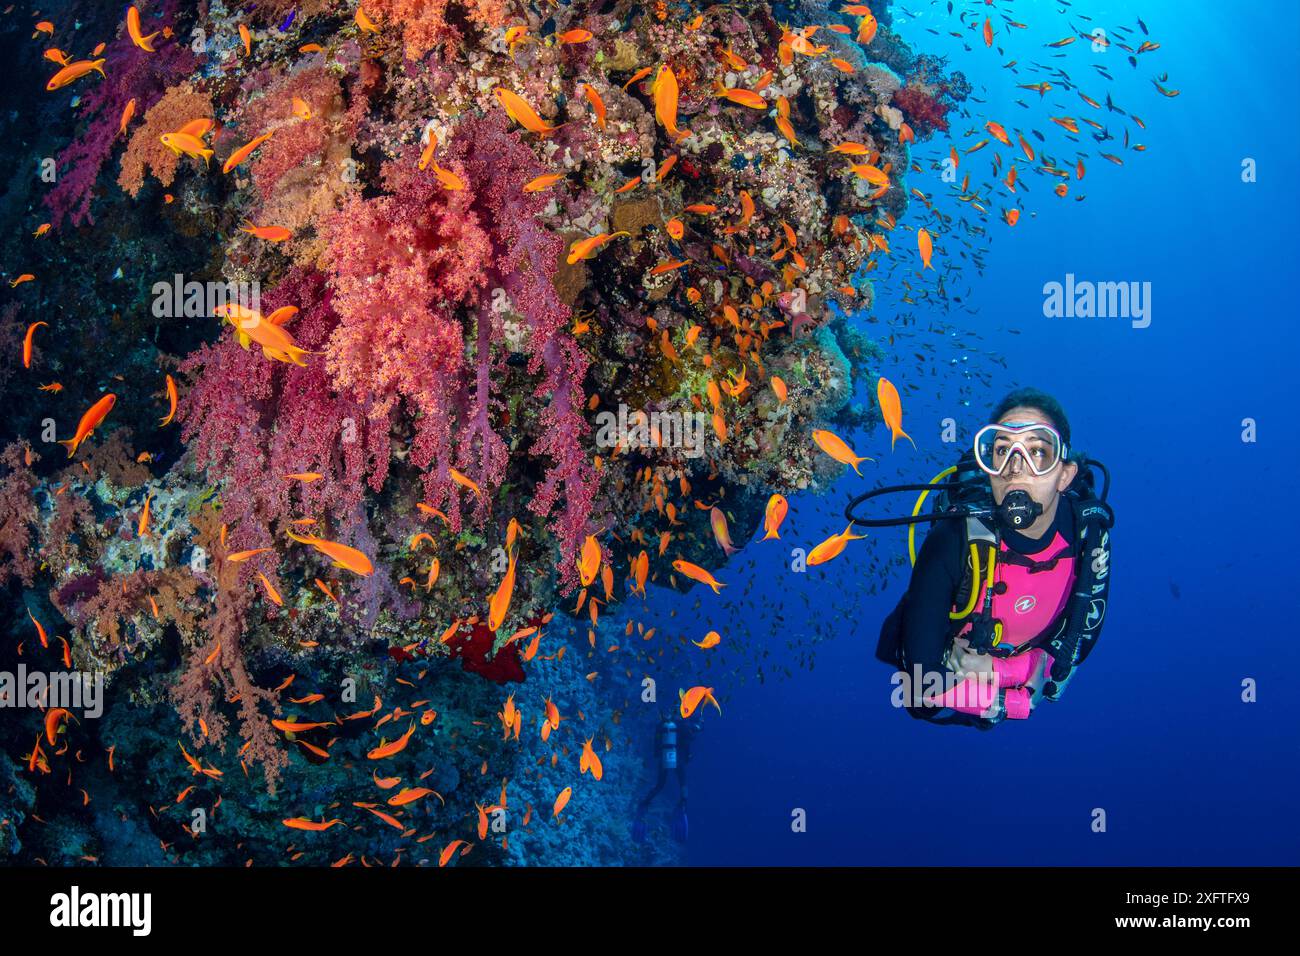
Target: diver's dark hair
(1033, 398)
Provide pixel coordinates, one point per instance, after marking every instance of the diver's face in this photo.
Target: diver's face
(1044, 489)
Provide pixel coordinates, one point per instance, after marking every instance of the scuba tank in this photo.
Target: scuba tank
(668, 745)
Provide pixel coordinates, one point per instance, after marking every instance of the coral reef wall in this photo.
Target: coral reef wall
(438, 332)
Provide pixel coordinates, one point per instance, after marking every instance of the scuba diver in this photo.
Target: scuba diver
(672, 750)
(1008, 594)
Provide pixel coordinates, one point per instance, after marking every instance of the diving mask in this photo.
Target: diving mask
(1040, 447)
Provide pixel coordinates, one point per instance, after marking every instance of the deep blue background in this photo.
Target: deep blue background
(1152, 729)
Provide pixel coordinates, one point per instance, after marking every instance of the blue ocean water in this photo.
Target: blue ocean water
(1153, 729)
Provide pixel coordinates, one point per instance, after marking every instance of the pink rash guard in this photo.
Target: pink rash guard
(1026, 607)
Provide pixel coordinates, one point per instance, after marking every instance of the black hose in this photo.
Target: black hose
(909, 519)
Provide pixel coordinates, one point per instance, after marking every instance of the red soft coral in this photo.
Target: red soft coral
(924, 111)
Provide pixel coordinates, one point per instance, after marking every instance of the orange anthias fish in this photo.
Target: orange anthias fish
(721, 534)
(40, 631)
(301, 823)
(741, 97)
(172, 400)
(998, 132)
(342, 555)
(75, 71)
(271, 592)
(587, 248)
(269, 233)
(142, 529)
(697, 573)
(596, 102)
(589, 560)
(27, 342)
(449, 180)
(188, 144)
(872, 174)
(640, 568)
(773, 515)
(665, 92)
(55, 719)
(891, 407)
(277, 344)
(136, 34)
(240, 556)
(926, 247)
(544, 181)
(691, 699)
(573, 36)
(393, 747)
(711, 639)
(241, 154)
(500, 603)
(127, 112)
(450, 849)
(832, 546)
(834, 446)
(410, 795)
(89, 421)
(562, 801)
(523, 114)
(465, 482)
(364, 23)
(590, 760)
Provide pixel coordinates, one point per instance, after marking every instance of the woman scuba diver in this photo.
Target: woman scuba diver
(1008, 597)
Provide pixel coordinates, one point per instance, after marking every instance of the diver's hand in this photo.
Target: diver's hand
(964, 661)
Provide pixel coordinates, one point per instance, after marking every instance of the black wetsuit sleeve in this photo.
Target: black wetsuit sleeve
(930, 594)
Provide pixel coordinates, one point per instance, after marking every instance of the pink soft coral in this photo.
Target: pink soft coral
(253, 421)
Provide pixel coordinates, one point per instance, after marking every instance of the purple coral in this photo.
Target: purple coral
(131, 74)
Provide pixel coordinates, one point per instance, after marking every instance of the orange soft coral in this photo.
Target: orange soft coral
(425, 23)
(179, 105)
